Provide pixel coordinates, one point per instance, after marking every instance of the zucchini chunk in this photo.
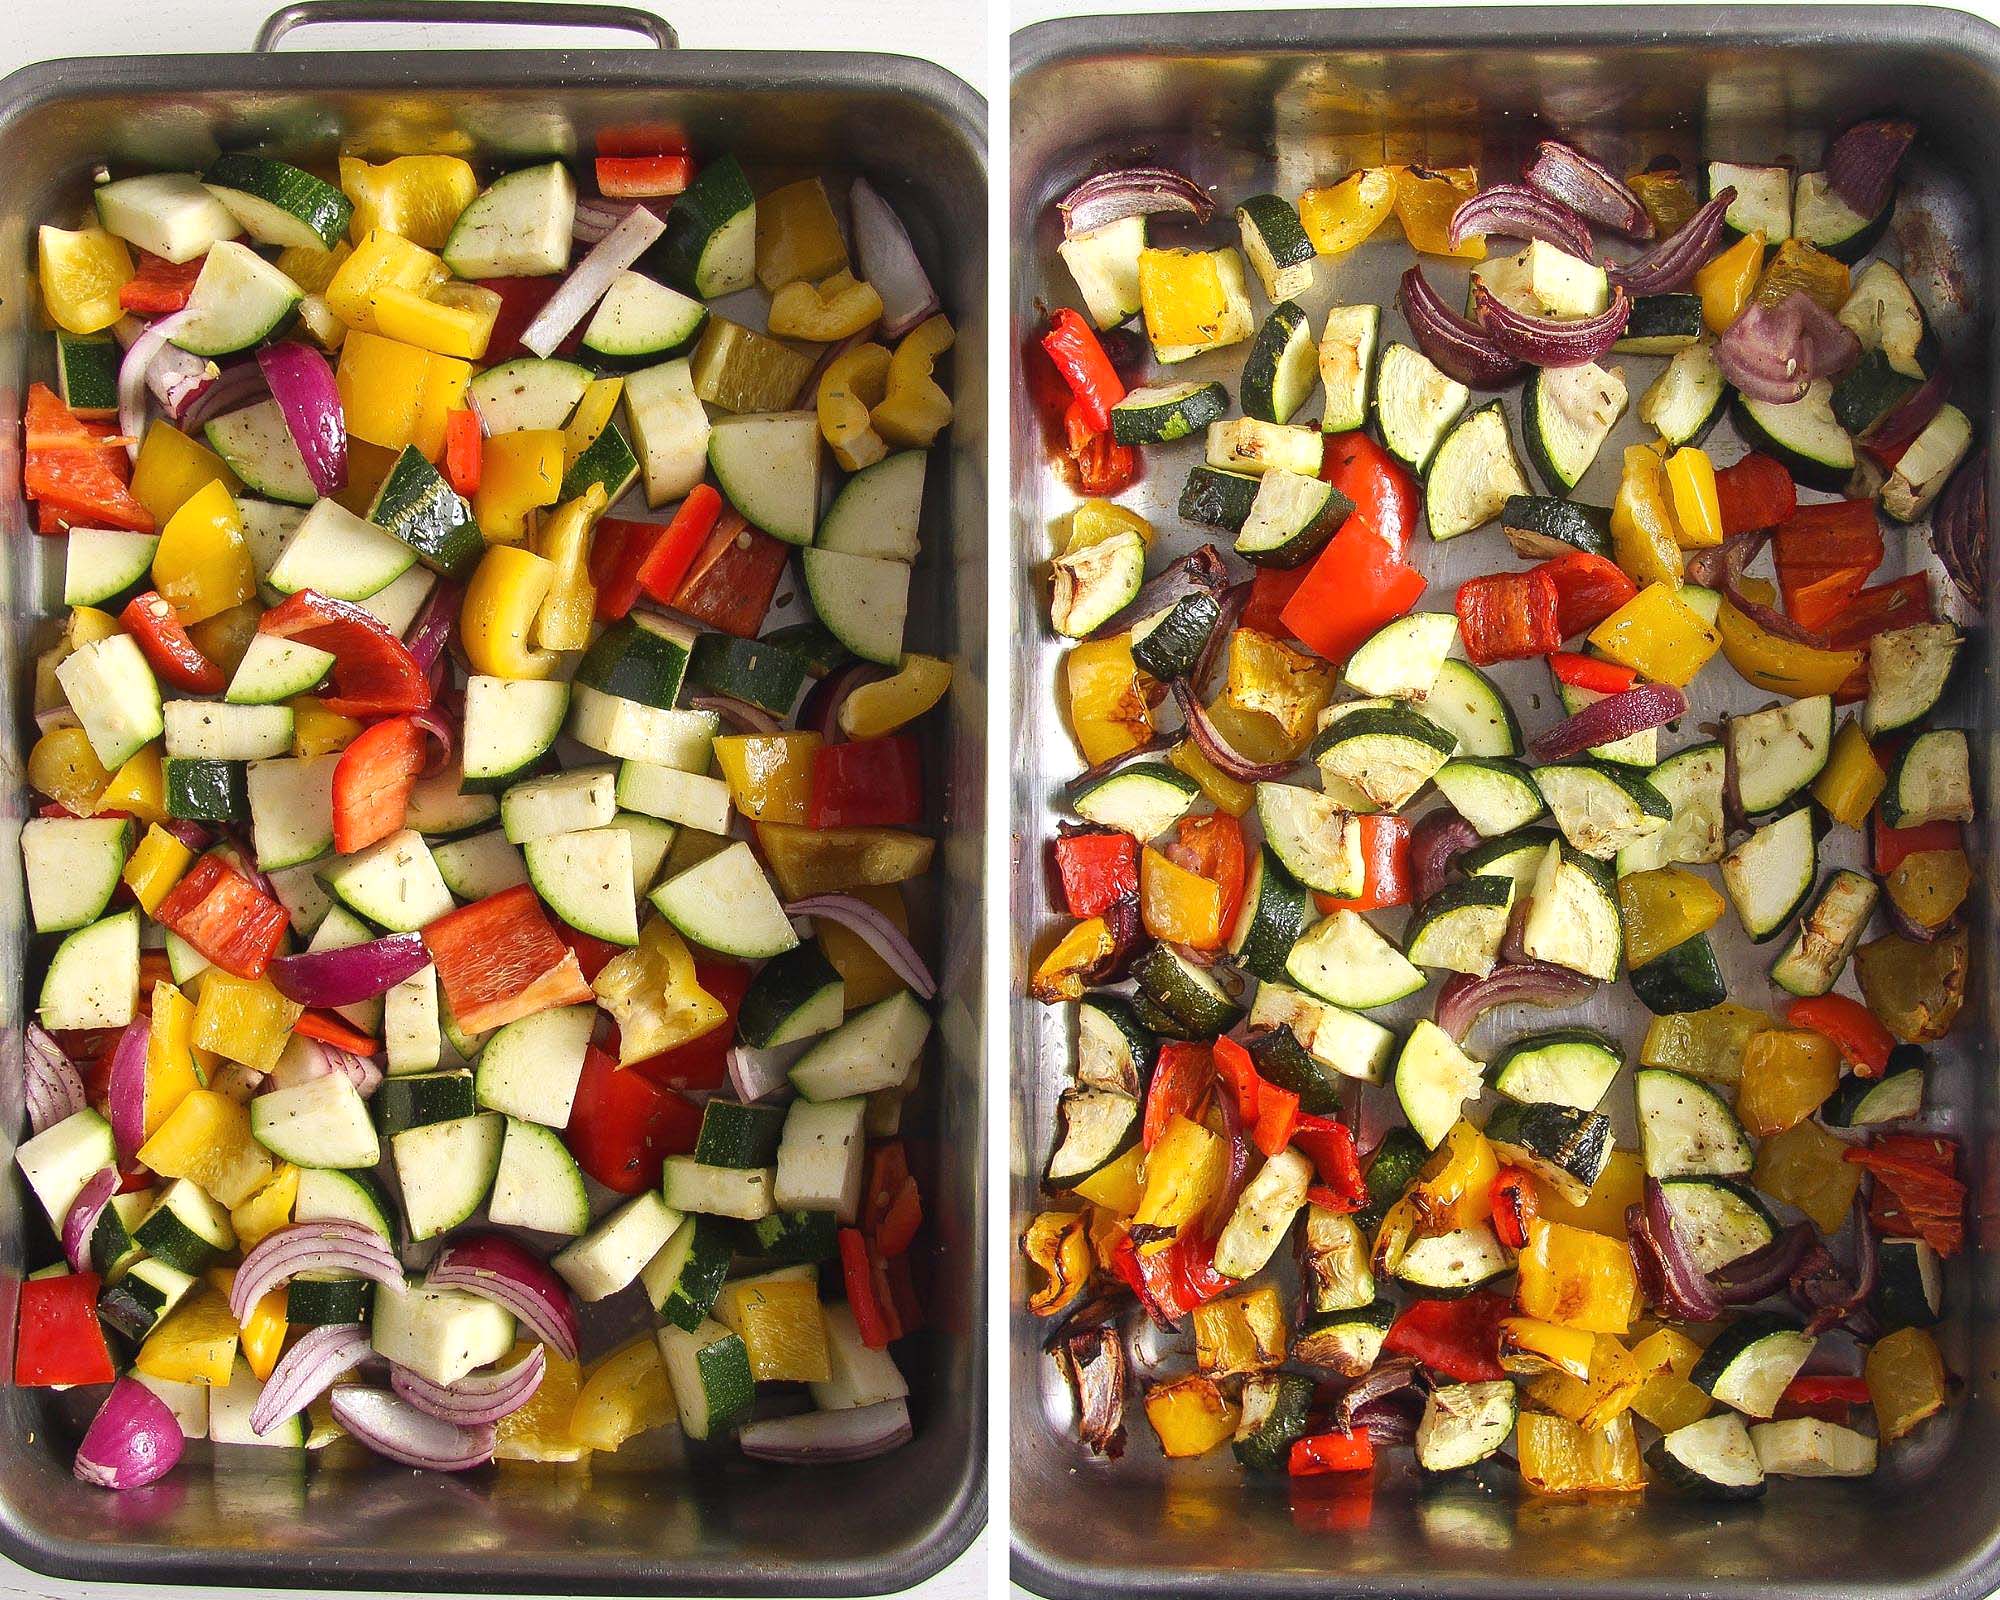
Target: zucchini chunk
(1273, 914)
(1282, 369)
(1472, 475)
(1816, 957)
(1691, 780)
(1291, 519)
(1566, 415)
(1806, 1447)
(1163, 412)
(1719, 1220)
(1805, 436)
(1344, 961)
(1908, 669)
(1684, 978)
(1779, 751)
(1712, 1459)
(1415, 405)
(1661, 325)
(1434, 1079)
(1495, 795)
(1347, 366)
(1683, 402)
(1143, 799)
(1461, 927)
(1213, 498)
(1686, 1129)
(1465, 702)
(1277, 247)
(1750, 1363)
(1768, 876)
(1884, 315)
(1564, 1067)
(1317, 843)
(1352, 1045)
(1464, 1423)
(1565, 1147)
(1573, 919)
(1829, 223)
(1386, 753)
(1894, 1097)
(1763, 202)
(1602, 807)
(1541, 526)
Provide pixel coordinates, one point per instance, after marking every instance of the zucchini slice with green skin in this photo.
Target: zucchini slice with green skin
(1908, 669)
(417, 506)
(1291, 519)
(1763, 202)
(1566, 415)
(1779, 751)
(1345, 1342)
(1564, 1067)
(1402, 660)
(1249, 444)
(1573, 919)
(1712, 1459)
(709, 246)
(1143, 799)
(1282, 368)
(1105, 264)
(1518, 856)
(1884, 315)
(1099, 1126)
(1352, 1045)
(1461, 927)
(794, 996)
(1684, 401)
(1274, 913)
(1336, 1269)
(1495, 795)
(640, 323)
(277, 203)
(1280, 1057)
(1088, 587)
(1894, 1097)
(1542, 526)
(1768, 876)
(1686, 1128)
(1751, 1361)
(1344, 961)
(1816, 957)
(238, 301)
(1464, 1423)
(1661, 325)
(1923, 470)
(1868, 391)
(1347, 365)
(1113, 1049)
(1169, 642)
(1691, 780)
(87, 370)
(1909, 1293)
(1277, 1412)
(1472, 475)
(1415, 405)
(1466, 703)
(1214, 498)
(1185, 992)
(1446, 1265)
(1263, 1215)
(1567, 1148)
(1276, 244)
(1601, 807)
(518, 227)
(755, 671)
(1318, 843)
(1684, 978)
(1399, 1158)
(1163, 412)
(1434, 1079)
(1718, 1220)
(1387, 753)
(1806, 1447)
(1826, 222)
(1805, 436)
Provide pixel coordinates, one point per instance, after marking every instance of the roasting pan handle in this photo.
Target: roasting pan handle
(518, 13)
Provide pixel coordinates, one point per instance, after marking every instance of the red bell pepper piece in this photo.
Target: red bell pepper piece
(1828, 1395)
(892, 1208)
(1757, 492)
(1182, 1077)
(1891, 845)
(1381, 489)
(1355, 585)
(57, 1338)
(1271, 590)
(374, 675)
(1100, 465)
(1234, 1066)
(873, 1320)
(1508, 616)
(867, 783)
(1917, 1191)
(226, 917)
(703, 1061)
(520, 300)
(623, 1126)
(592, 954)
(1098, 867)
(498, 960)
(329, 1029)
(1084, 366)
(1458, 1339)
(733, 576)
(77, 467)
(617, 551)
(1863, 1041)
(1513, 1196)
(160, 285)
(464, 451)
(1591, 672)
(169, 649)
(372, 781)
(1277, 1119)
(1331, 1452)
(643, 177)
(1900, 603)
(1387, 878)
(1824, 554)
(671, 550)
(1211, 846)
(1588, 589)
(1172, 1281)
(1329, 1145)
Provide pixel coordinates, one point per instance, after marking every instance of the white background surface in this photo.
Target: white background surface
(950, 32)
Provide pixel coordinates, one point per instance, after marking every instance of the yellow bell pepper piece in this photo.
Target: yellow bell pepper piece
(654, 996)
(81, 274)
(1059, 977)
(836, 860)
(1704, 1044)
(1662, 908)
(1182, 297)
(1119, 1186)
(519, 473)
(1184, 1173)
(540, 1430)
(1176, 905)
(1107, 709)
(916, 409)
(317, 731)
(1341, 216)
(382, 260)
(865, 977)
(208, 1141)
(738, 369)
(1190, 1416)
(769, 774)
(1619, 1186)
(202, 564)
(781, 1325)
(1058, 1243)
(268, 1210)
(1530, 1348)
(1580, 1279)
(1614, 1382)
(261, 1335)
(1240, 1332)
(172, 1073)
(195, 1342)
(1668, 1400)
(87, 625)
(627, 1393)
(1691, 485)
(1559, 1458)
(1788, 1074)
(797, 235)
(837, 308)
(1267, 676)
(63, 766)
(1453, 1190)
(245, 1019)
(1222, 791)
(563, 541)
(1807, 1167)
(140, 787)
(593, 411)
(454, 319)
(225, 637)
(1425, 201)
(1777, 664)
(1095, 520)
(312, 268)
(1643, 540)
(852, 385)
(381, 384)
(171, 466)
(418, 197)
(894, 702)
(1906, 1380)
(500, 607)
(1852, 780)
(1658, 636)
(1796, 265)
(155, 867)
(1726, 282)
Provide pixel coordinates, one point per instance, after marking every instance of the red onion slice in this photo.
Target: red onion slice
(54, 1088)
(1636, 710)
(753, 1074)
(135, 369)
(441, 739)
(597, 217)
(1110, 197)
(1773, 353)
(1438, 840)
(1464, 998)
(819, 712)
(1457, 346)
(349, 975)
(338, 1247)
(192, 834)
(1913, 413)
(126, 1089)
(235, 386)
(1236, 1152)
(1514, 211)
(1686, 1291)
(1589, 188)
(83, 1214)
(478, 1397)
(308, 399)
(1673, 262)
(496, 1268)
(175, 376)
(431, 632)
(886, 939)
(1861, 165)
(827, 1438)
(392, 1427)
(739, 714)
(889, 261)
(1546, 341)
(322, 1356)
(585, 286)
(1766, 1270)
(1958, 528)
(135, 1439)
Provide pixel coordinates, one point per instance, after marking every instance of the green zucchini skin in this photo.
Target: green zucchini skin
(1685, 978)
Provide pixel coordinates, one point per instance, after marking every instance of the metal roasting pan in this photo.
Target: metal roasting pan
(703, 1521)
(1282, 100)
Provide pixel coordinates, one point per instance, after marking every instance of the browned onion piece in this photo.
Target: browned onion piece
(1589, 188)
(1545, 341)
(1958, 528)
(1861, 164)
(1459, 347)
(1110, 197)
(1913, 413)
(1772, 353)
(1643, 707)
(1438, 840)
(1671, 263)
(1766, 1270)
(1515, 211)
(1464, 998)
(1094, 1363)
(1684, 1290)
